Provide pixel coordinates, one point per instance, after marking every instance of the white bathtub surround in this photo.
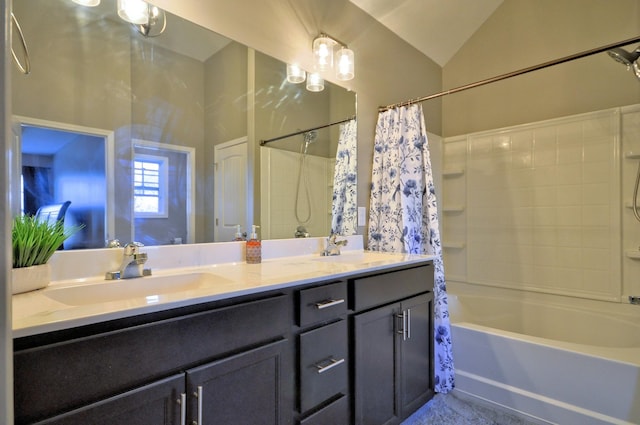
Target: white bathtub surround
(403, 216)
(538, 207)
(559, 359)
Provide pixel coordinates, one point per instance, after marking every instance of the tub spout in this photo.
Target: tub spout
(634, 299)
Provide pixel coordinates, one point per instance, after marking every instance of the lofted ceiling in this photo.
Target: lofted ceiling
(438, 28)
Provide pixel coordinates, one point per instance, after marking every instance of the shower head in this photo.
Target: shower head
(309, 138)
(627, 58)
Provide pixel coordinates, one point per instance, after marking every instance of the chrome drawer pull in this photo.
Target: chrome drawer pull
(328, 303)
(334, 363)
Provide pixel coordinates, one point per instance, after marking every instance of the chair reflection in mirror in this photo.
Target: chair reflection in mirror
(53, 213)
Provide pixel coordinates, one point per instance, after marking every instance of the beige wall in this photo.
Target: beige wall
(523, 33)
(387, 69)
(225, 119)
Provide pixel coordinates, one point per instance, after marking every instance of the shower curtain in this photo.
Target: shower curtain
(403, 216)
(344, 209)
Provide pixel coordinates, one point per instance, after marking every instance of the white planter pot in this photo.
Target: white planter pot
(25, 279)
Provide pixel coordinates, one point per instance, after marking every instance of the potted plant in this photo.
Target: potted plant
(33, 243)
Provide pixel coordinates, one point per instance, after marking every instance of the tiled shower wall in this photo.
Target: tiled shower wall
(538, 206)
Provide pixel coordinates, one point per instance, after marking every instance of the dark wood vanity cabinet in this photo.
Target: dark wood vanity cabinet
(356, 350)
(393, 356)
(226, 362)
(241, 389)
(323, 354)
(155, 403)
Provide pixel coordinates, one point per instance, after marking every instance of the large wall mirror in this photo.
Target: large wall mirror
(156, 139)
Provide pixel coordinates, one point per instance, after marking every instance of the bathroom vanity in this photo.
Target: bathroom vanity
(345, 343)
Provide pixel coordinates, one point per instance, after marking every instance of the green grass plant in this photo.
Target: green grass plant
(35, 241)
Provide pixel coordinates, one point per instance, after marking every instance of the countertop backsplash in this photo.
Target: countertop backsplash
(90, 263)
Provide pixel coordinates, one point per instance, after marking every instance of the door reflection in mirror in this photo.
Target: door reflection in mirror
(59, 166)
(60, 162)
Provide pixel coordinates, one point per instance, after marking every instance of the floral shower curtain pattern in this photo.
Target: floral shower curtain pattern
(344, 204)
(403, 216)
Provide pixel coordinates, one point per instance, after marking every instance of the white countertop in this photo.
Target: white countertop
(45, 310)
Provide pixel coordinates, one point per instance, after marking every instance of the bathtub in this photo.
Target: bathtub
(553, 359)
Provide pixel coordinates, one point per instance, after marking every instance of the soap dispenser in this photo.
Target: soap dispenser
(239, 236)
(254, 247)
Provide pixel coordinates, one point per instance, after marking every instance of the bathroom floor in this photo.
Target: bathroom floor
(449, 409)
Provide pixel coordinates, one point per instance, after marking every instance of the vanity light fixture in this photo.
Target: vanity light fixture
(148, 20)
(324, 47)
(295, 74)
(134, 11)
(89, 3)
(315, 82)
(346, 64)
(156, 23)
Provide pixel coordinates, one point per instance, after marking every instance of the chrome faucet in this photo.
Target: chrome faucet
(132, 263)
(333, 246)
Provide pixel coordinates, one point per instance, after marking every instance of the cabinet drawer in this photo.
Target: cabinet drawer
(323, 364)
(322, 303)
(389, 287)
(105, 364)
(336, 413)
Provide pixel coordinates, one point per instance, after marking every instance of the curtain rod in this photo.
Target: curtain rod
(512, 74)
(264, 142)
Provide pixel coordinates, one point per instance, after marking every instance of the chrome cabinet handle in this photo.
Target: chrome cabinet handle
(198, 395)
(332, 363)
(328, 303)
(183, 408)
(403, 329)
(26, 68)
(408, 323)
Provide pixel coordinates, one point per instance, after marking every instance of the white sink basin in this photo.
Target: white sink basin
(148, 287)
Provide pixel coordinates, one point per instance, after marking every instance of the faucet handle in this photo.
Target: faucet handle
(332, 239)
(132, 248)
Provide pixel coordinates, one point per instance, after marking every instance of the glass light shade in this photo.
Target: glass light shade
(315, 82)
(295, 74)
(323, 52)
(346, 64)
(90, 3)
(134, 11)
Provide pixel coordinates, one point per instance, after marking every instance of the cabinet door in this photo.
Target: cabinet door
(416, 353)
(154, 404)
(375, 373)
(245, 388)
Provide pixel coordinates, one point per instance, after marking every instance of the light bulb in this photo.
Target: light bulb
(295, 74)
(134, 11)
(346, 64)
(315, 82)
(323, 52)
